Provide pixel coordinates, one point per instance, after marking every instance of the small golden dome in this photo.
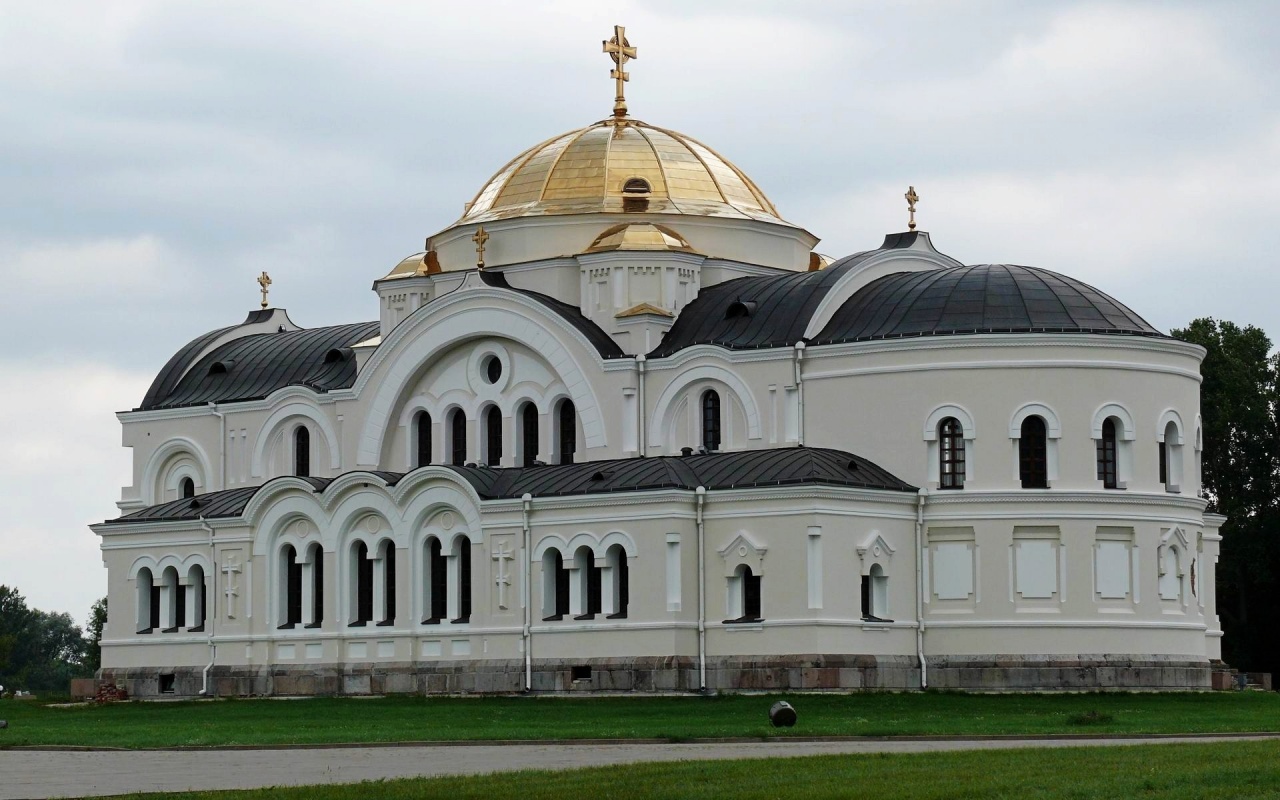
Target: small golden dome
(639, 236)
(620, 165)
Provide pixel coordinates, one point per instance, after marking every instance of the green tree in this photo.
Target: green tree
(97, 621)
(1240, 469)
(39, 650)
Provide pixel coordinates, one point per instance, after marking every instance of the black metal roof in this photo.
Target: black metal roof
(985, 298)
(715, 471)
(252, 367)
(603, 342)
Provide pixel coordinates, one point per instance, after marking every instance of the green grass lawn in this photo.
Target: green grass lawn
(405, 718)
(1169, 772)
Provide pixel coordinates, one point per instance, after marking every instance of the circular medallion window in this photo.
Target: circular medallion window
(492, 369)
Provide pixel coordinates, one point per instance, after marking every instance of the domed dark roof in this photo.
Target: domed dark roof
(984, 298)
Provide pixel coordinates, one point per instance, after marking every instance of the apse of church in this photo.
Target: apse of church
(621, 426)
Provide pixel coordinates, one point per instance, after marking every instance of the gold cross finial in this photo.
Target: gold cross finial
(481, 236)
(621, 51)
(912, 199)
(264, 280)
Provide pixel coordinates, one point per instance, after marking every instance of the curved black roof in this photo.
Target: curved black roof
(173, 369)
(252, 367)
(985, 298)
(603, 342)
(715, 471)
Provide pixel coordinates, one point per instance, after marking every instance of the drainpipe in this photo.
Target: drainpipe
(222, 444)
(701, 494)
(920, 589)
(799, 356)
(209, 618)
(640, 365)
(526, 502)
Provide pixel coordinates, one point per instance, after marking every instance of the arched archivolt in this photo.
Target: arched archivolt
(175, 447)
(619, 538)
(664, 409)
(551, 541)
(278, 500)
(1167, 416)
(351, 518)
(876, 266)
(427, 492)
(436, 328)
(143, 562)
(970, 430)
(294, 412)
(1050, 417)
(1129, 432)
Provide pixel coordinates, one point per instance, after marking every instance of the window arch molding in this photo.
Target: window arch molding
(1053, 427)
(1128, 431)
(619, 538)
(433, 489)
(157, 566)
(690, 385)
(159, 468)
(281, 503)
(283, 419)
(1167, 416)
(940, 413)
(551, 541)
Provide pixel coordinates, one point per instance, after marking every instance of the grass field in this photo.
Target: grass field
(398, 719)
(1172, 772)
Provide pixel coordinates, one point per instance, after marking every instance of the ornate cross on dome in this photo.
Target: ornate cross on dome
(621, 51)
(912, 199)
(481, 236)
(264, 280)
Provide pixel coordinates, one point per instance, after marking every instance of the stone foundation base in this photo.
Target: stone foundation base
(662, 674)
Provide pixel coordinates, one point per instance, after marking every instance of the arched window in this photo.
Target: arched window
(875, 595)
(1033, 454)
(172, 601)
(1170, 574)
(744, 596)
(302, 451)
(196, 599)
(462, 552)
(361, 586)
(711, 420)
(290, 583)
(187, 488)
(388, 564)
(950, 454)
(493, 436)
(1108, 462)
(616, 558)
(567, 430)
(555, 586)
(436, 590)
(315, 554)
(528, 434)
(457, 437)
(1171, 458)
(422, 439)
(148, 617)
(587, 603)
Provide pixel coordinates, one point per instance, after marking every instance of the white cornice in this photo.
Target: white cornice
(984, 340)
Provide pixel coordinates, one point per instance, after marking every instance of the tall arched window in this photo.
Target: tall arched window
(457, 437)
(1107, 456)
(1171, 458)
(196, 600)
(528, 434)
(711, 420)
(567, 430)
(388, 563)
(1033, 454)
(744, 595)
(187, 488)
(588, 575)
(172, 600)
(616, 557)
(436, 591)
(361, 586)
(316, 557)
(951, 454)
(422, 439)
(875, 595)
(555, 586)
(148, 618)
(493, 436)
(462, 552)
(290, 583)
(302, 451)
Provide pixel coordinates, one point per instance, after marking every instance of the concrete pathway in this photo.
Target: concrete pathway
(71, 773)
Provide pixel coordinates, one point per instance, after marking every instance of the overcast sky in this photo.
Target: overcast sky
(156, 156)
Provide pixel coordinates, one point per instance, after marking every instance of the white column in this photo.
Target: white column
(189, 620)
(608, 588)
(379, 588)
(308, 591)
(452, 564)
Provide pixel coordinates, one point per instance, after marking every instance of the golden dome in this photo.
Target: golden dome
(639, 236)
(619, 165)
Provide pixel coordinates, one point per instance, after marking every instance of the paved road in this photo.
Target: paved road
(40, 774)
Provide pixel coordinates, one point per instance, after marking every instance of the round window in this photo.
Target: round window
(492, 369)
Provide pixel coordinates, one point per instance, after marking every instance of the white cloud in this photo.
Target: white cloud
(140, 265)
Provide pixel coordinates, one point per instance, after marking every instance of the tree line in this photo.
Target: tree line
(41, 651)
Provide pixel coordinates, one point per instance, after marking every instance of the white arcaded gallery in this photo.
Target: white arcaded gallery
(621, 427)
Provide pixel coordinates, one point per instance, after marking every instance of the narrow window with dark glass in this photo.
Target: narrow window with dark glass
(188, 488)
(458, 437)
(422, 439)
(493, 436)
(568, 431)
(389, 584)
(363, 590)
(950, 454)
(711, 420)
(438, 577)
(528, 434)
(1164, 462)
(463, 546)
(555, 586)
(1033, 454)
(291, 596)
(302, 452)
(617, 559)
(750, 596)
(1107, 455)
(317, 587)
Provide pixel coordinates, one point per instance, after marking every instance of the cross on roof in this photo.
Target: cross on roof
(621, 51)
(264, 280)
(912, 199)
(481, 236)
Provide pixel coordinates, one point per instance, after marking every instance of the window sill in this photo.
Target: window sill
(553, 618)
(744, 621)
(196, 629)
(360, 623)
(619, 615)
(174, 629)
(583, 617)
(386, 623)
(460, 621)
(313, 625)
(288, 626)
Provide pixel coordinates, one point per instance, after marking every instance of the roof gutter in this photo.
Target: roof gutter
(920, 589)
(701, 494)
(640, 407)
(526, 633)
(210, 618)
(799, 356)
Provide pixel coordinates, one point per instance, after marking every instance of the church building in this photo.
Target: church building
(620, 427)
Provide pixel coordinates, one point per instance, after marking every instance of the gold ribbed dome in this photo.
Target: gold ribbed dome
(619, 165)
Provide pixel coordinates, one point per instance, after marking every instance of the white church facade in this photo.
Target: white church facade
(621, 427)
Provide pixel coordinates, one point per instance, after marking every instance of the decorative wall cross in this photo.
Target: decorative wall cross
(229, 589)
(621, 51)
(502, 554)
(264, 280)
(481, 236)
(912, 199)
